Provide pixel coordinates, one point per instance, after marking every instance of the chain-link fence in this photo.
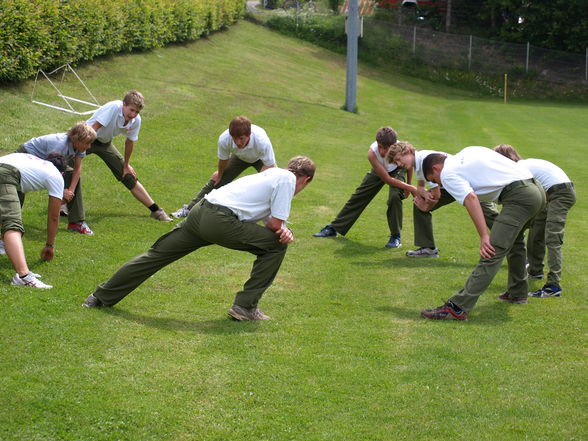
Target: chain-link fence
(471, 53)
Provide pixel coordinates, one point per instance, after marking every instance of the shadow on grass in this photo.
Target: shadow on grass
(218, 326)
(494, 314)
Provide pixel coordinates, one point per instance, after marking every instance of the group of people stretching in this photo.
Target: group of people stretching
(250, 213)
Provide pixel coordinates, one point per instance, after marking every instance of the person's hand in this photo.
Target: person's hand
(47, 253)
(486, 248)
(215, 177)
(286, 235)
(68, 195)
(128, 170)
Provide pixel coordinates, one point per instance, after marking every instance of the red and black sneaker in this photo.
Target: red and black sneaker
(448, 311)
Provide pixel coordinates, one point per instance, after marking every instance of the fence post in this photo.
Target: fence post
(414, 40)
(527, 62)
(470, 55)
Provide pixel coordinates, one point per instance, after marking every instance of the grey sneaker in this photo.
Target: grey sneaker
(423, 252)
(242, 314)
(63, 210)
(181, 212)
(160, 215)
(30, 280)
(92, 302)
(2, 250)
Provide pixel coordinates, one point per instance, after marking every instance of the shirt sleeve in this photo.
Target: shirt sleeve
(268, 157)
(133, 133)
(456, 186)
(281, 199)
(224, 146)
(54, 184)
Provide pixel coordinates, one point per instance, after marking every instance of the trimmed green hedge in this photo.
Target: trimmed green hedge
(48, 33)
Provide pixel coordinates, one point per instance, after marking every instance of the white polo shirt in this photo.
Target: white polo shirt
(389, 166)
(419, 157)
(258, 196)
(547, 173)
(110, 115)
(55, 143)
(482, 171)
(258, 147)
(36, 174)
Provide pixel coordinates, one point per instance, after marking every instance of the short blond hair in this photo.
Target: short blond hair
(399, 148)
(302, 166)
(509, 151)
(81, 132)
(134, 98)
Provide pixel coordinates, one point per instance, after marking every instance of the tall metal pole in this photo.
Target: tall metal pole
(352, 37)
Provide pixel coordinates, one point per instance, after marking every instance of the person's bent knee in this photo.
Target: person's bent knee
(129, 181)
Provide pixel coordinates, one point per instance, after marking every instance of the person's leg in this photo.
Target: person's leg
(115, 162)
(219, 226)
(520, 205)
(234, 168)
(423, 222)
(560, 202)
(395, 198)
(359, 200)
(75, 207)
(536, 244)
(168, 248)
(15, 251)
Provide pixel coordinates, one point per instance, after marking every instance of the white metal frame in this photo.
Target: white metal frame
(66, 99)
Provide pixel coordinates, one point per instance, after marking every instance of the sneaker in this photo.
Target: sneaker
(242, 314)
(505, 297)
(535, 276)
(80, 227)
(327, 231)
(394, 241)
(63, 211)
(547, 291)
(181, 212)
(423, 252)
(2, 250)
(448, 311)
(29, 280)
(92, 302)
(160, 215)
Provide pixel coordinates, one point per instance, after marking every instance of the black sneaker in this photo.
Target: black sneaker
(327, 231)
(92, 302)
(505, 297)
(547, 291)
(448, 311)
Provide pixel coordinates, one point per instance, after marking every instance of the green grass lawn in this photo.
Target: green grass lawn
(346, 356)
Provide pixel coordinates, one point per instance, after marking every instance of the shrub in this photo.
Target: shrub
(69, 31)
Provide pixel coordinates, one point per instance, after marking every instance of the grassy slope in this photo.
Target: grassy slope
(347, 356)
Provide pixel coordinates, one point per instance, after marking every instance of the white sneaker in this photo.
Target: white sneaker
(2, 250)
(181, 212)
(29, 280)
(63, 211)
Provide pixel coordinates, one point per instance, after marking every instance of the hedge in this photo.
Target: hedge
(44, 34)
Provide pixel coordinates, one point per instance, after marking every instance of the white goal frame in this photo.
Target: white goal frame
(66, 67)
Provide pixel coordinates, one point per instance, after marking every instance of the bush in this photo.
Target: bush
(70, 31)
